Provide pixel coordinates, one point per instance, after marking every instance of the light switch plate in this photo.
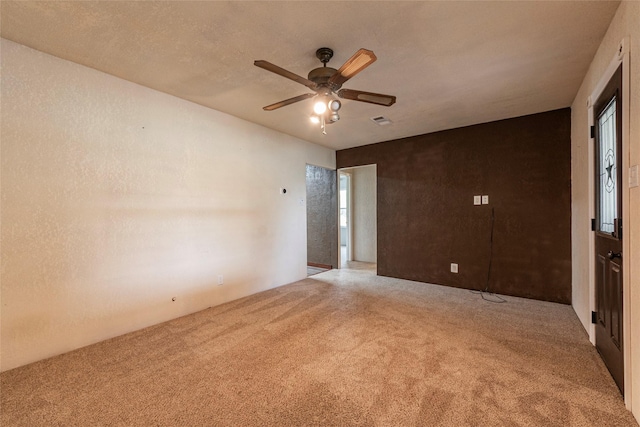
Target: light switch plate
(454, 267)
(485, 200)
(477, 200)
(633, 176)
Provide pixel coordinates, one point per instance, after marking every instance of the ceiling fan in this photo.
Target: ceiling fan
(326, 81)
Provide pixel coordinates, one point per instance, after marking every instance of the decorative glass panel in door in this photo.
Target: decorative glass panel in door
(608, 171)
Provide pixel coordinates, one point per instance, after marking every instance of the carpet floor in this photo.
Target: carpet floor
(343, 348)
(311, 271)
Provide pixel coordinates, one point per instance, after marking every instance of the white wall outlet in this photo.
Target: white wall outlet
(220, 279)
(476, 200)
(454, 267)
(485, 200)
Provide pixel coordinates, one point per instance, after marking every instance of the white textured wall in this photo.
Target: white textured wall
(625, 23)
(363, 199)
(116, 198)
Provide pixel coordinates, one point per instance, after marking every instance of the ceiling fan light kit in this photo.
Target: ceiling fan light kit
(327, 83)
(319, 107)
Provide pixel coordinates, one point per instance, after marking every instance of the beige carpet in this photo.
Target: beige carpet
(342, 348)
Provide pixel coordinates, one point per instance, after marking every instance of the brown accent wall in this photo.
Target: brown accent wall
(322, 217)
(427, 219)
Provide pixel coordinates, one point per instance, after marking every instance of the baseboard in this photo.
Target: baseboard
(318, 265)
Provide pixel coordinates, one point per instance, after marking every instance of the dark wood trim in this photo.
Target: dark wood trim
(318, 265)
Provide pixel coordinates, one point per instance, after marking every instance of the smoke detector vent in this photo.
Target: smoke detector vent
(381, 120)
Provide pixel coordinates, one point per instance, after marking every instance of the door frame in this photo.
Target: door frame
(362, 217)
(621, 57)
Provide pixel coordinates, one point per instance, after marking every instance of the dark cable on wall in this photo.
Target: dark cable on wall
(493, 220)
(486, 294)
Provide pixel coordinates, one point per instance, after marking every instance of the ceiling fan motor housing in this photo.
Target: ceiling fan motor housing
(321, 76)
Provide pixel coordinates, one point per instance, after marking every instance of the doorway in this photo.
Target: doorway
(345, 218)
(609, 334)
(358, 215)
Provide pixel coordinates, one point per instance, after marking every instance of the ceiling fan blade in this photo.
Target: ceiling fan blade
(370, 97)
(284, 73)
(358, 62)
(289, 101)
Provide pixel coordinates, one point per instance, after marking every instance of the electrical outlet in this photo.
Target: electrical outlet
(485, 200)
(454, 267)
(476, 200)
(220, 279)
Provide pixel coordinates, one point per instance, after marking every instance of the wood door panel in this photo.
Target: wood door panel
(601, 271)
(608, 233)
(615, 298)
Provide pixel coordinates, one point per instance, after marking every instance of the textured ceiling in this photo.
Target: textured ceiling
(450, 64)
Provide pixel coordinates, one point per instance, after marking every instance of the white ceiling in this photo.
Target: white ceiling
(450, 64)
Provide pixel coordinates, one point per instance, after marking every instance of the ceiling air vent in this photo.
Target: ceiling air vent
(381, 120)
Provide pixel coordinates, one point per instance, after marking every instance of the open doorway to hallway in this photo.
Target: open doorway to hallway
(344, 216)
(357, 215)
